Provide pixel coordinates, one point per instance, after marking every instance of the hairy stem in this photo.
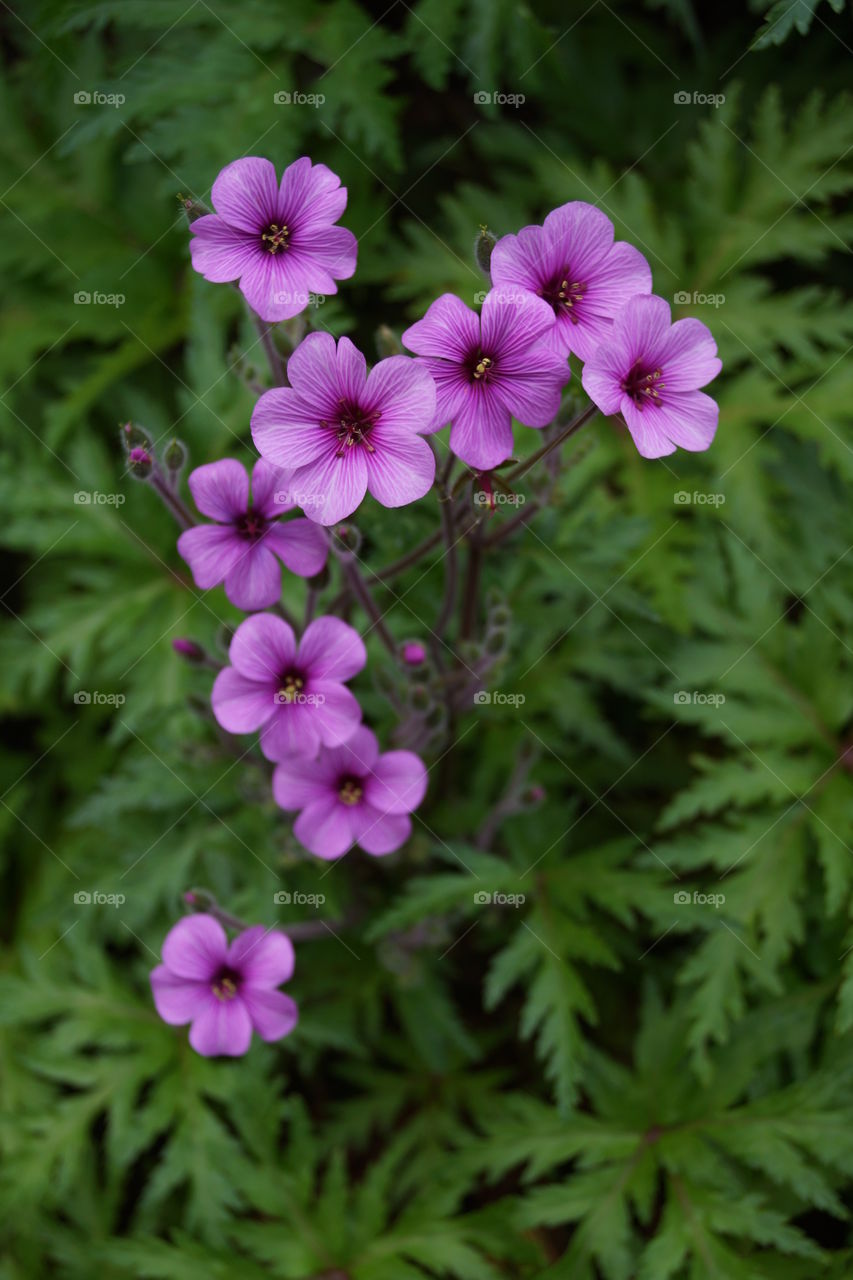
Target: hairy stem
(575, 425)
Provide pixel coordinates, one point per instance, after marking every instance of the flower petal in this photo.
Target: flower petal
(403, 391)
(177, 1000)
(292, 730)
(297, 781)
(210, 550)
(385, 833)
(338, 715)
(481, 434)
(239, 704)
(688, 356)
(331, 650)
(219, 252)
(223, 1027)
(254, 582)
(263, 647)
(268, 481)
(263, 957)
(310, 194)
(273, 1013)
(449, 330)
(324, 828)
(220, 490)
(195, 948)
(301, 545)
(335, 484)
(401, 469)
(286, 428)
(245, 194)
(397, 782)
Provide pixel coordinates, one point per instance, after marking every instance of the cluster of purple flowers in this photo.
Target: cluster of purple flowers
(339, 430)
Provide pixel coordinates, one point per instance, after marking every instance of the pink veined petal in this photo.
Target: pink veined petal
(263, 647)
(338, 715)
(195, 948)
(286, 428)
(210, 550)
(298, 782)
(512, 321)
(623, 274)
(385, 833)
(219, 252)
(332, 487)
(301, 544)
(648, 430)
(292, 730)
(580, 236)
(177, 1000)
(352, 371)
(310, 194)
(449, 330)
(312, 370)
(689, 418)
(528, 260)
(220, 490)
(583, 336)
(331, 650)
(401, 469)
(688, 356)
(403, 391)
(269, 486)
(325, 829)
(222, 1027)
(273, 1013)
(532, 394)
(254, 582)
(245, 194)
(602, 377)
(326, 254)
(481, 434)
(397, 782)
(262, 957)
(640, 327)
(452, 385)
(270, 288)
(239, 704)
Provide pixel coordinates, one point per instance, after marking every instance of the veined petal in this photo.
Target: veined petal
(220, 490)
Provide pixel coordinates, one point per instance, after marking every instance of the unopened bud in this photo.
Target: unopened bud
(192, 208)
(140, 462)
(495, 641)
(200, 899)
(420, 697)
(532, 795)
(414, 654)
(188, 649)
(387, 342)
(483, 246)
(175, 456)
(347, 538)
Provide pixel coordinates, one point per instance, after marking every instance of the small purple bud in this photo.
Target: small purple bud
(347, 537)
(532, 795)
(414, 654)
(188, 649)
(140, 462)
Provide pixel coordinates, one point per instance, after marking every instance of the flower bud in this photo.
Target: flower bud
(140, 462)
(414, 654)
(192, 208)
(387, 342)
(175, 456)
(347, 538)
(200, 899)
(420, 697)
(188, 649)
(532, 796)
(483, 246)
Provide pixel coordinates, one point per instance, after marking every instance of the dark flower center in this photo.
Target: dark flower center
(480, 367)
(290, 687)
(564, 294)
(252, 525)
(275, 237)
(226, 984)
(350, 791)
(643, 385)
(352, 426)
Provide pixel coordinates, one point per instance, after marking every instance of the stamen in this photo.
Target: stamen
(291, 686)
(350, 791)
(275, 237)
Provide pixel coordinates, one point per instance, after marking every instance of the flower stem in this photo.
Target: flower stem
(575, 425)
(361, 592)
(171, 500)
(276, 362)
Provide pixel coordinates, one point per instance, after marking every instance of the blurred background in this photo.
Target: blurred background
(624, 1076)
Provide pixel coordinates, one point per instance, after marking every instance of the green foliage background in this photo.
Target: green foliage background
(603, 1083)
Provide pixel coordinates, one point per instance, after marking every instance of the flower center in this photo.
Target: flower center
(352, 427)
(642, 385)
(275, 237)
(564, 295)
(480, 367)
(225, 985)
(290, 687)
(350, 791)
(252, 525)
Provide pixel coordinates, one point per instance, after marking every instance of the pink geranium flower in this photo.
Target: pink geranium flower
(244, 548)
(293, 693)
(572, 262)
(489, 369)
(278, 239)
(650, 371)
(225, 991)
(342, 431)
(352, 795)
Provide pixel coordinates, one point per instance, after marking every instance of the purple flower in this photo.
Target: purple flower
(649, 370)
(278, 240)
(341, 431)
(489, 369)
(241, 549)
(352, 795)
(293, 694)
(225, 991)
(573, 263)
